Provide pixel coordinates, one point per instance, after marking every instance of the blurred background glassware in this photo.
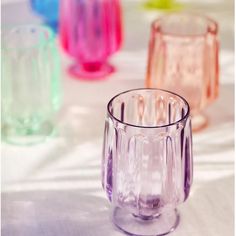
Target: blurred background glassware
(90, 32)
(162, 5)
(48, 10)
(147, 165)
(31, 91)
(184, 58)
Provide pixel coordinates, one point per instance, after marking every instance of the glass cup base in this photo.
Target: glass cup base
(162, 5)
(132, 225)
(27, 136)
(199, 122)
(53, 25)
(80, 73)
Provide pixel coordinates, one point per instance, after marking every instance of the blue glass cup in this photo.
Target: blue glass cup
(48, 10)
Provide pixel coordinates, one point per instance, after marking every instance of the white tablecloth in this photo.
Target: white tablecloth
(53, 188)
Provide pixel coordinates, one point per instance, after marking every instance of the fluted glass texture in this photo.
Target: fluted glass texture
(147, 164)
(90, 32)
(30, 84)
(183, 58)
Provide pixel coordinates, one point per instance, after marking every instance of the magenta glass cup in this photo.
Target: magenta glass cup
(147, 165)
(90, 32)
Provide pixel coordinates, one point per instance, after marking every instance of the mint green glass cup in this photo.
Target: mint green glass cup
(31, 91)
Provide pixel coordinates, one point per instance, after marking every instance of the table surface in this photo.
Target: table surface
(54, 188)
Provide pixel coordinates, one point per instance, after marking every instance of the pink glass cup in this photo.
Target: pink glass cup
(147, 165)
(90, 32)
(183, 58)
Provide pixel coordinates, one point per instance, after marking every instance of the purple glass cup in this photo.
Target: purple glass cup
(147, 165)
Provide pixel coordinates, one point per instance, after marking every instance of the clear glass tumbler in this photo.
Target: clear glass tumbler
(49, 10)
(147, 165)
(30, 84)
(183, 58)
(90, 32)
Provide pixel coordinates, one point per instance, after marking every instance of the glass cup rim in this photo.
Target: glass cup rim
(148, 127)
(25, 26)
(191, 14)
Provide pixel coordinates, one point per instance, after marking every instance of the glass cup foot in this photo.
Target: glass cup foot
(82, 73)
(162, 5)
(199, 122)
(132, 225)
(53, 25)
(27, 136)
